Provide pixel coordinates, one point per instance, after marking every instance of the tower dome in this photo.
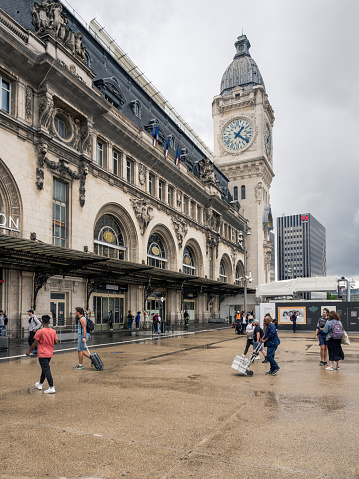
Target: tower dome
(243, 71)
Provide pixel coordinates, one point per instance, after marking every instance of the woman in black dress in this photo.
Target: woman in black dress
(334, 344)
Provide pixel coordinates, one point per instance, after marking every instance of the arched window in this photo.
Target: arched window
(235, 193)
(222, 272)
(156, 253)
(108, 238)
(239, 274)
(188, 261)
(243, 192)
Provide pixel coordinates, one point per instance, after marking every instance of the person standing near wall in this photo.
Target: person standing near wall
(34, 325)
(293, 318)
(320, 335)
(3, 323)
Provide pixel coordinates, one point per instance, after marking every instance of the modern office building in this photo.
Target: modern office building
(301, 247)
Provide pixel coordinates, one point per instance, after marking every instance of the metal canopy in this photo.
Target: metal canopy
(52, 260)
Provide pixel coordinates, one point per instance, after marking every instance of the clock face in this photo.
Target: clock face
(268, 140)
(237, 134)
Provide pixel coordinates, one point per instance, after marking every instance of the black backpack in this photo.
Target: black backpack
(90, 326)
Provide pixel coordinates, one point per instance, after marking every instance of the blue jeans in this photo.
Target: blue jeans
(3, 328)
(270, 356)
(294, 326)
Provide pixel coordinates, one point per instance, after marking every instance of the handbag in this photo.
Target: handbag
(345, 339)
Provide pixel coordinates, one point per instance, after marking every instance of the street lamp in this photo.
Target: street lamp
(243, 243)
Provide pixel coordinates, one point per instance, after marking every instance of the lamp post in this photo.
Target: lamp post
(243, 243)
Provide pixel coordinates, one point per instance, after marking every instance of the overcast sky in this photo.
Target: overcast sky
(307, 53)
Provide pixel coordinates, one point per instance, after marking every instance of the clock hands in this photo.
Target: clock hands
(238, 135)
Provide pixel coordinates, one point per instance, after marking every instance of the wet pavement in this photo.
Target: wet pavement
(173, 408)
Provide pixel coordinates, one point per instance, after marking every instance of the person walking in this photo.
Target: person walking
(110, 320)
(83, 336)
(294, 319)
(185, 317)
(34, 325)
(129, 320)
(320, 335)
(3, 323)
(334, 332)
(249, 334)
(243, 322)
(45, 338)
(257, 336)
(138, 319)
(272, 341)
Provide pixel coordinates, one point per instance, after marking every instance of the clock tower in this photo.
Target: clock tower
(243, 120)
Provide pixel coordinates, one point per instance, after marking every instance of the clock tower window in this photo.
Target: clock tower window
(235, 193)
(243, 192)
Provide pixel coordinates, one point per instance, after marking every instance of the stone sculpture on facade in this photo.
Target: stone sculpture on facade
(181, 229)
(48, 18)
(208, 175)
(213, 219)
(259, 192)
(142, 175)
(143, 211)
(63, 168)
(212, 241)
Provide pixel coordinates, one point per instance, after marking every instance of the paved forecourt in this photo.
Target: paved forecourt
(174, 408)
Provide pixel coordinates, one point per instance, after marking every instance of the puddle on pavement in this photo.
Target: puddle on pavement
(325, 403)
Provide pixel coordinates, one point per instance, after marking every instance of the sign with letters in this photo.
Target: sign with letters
(9, 223)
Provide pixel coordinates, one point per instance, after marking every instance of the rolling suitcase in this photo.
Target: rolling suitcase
(95, 360)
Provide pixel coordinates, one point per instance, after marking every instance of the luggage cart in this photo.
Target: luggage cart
(242, 364)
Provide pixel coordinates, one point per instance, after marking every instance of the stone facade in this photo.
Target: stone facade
(79, 172)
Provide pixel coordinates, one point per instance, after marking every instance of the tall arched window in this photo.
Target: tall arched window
(156, 253)
(235, 193)
(239, 274)
(108, 238)
(243, 192)
(222, 272)
(188, 261)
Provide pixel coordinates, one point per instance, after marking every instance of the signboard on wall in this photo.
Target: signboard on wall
(285, 313)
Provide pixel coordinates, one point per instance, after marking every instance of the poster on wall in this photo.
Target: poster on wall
(285, 313)
(330, 307)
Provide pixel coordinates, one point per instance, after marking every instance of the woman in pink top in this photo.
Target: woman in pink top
(45, 338)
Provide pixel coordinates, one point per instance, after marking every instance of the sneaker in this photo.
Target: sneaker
(50, 390)
(325, 363)
(269, 372)
(275, 371)
(321, 363)
(265, 361)
(329, 368)
(338, 368)
(38, 385)
(257, 357)
(79, 366)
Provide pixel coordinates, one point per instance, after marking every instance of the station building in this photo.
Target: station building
(108, 200)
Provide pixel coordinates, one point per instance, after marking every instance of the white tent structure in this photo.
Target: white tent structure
(297, 285)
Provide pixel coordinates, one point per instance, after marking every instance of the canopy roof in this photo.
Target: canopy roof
(297, 285)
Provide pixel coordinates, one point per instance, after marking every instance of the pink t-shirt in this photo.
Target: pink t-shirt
(46, 338)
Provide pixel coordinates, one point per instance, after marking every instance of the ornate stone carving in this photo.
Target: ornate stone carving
(143, 211)
(46, 109)
(208, 174)
(259, 192)
(28, 105)
(212, 241)
(181, 229)
(42, 150)
(213, 219)
(63, 168)
(48, 19)
(142, 175)
(86, 135)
